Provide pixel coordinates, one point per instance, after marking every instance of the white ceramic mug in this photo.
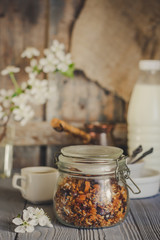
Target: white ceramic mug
(37, 183)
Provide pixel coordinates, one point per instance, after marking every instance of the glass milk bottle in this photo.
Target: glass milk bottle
(144, 113)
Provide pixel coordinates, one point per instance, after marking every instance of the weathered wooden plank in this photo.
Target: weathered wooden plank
(35, 23)
(62, 15)
(131, 228)
(22, 24)
(141, 223)
(11, 204)
(58, 231)
(80, 99)
(110, 37)
(150, 214)
(26, 156)
(41, 133)
(25, 26)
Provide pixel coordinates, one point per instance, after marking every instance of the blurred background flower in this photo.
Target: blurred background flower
(36, 90)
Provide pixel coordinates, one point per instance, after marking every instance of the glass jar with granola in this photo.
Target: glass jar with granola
(91, 190)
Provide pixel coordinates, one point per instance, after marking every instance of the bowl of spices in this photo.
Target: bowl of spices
(91, 190)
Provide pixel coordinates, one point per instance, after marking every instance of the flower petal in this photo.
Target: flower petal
(43, 220)
(49, 224)
(20, 229)
(17, 221)
(25, 215)
(29, 228)
(33, 222)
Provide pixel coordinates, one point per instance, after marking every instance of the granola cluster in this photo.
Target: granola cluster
(90, 203)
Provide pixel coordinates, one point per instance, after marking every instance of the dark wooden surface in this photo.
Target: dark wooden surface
(142, 222)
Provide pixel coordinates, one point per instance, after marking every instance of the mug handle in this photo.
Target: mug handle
(16, 177)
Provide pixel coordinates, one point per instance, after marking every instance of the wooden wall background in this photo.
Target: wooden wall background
(107, 38)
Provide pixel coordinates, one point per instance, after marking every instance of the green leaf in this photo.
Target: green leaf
(17, 93)
(29, 87)
(36, 69)
(12, 108)
(69, 72)
(14, 95)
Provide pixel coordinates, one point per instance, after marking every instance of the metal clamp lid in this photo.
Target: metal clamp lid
(122, 173)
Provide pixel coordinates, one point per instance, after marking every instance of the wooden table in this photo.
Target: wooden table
(142, 222)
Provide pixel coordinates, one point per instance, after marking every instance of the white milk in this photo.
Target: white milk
(144, 120)
(144, 106)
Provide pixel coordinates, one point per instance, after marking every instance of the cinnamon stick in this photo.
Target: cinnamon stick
(60, 125)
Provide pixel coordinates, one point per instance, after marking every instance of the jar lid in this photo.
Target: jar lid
(89, 159)
(149, 65)
(92, 152)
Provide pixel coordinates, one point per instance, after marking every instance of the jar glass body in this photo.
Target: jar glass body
(90, 202)
(85, 200)
(143, 116)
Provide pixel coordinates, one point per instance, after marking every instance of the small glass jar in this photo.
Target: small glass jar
(91, 190)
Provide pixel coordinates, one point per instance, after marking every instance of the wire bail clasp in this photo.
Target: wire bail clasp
(123, 172)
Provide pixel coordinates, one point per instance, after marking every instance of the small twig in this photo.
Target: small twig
(14, 81)
(3, 132)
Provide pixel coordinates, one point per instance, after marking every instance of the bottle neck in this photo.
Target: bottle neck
(149, 77)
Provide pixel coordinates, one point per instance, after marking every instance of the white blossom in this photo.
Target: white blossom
(44, 221)
(24, 228)
(31, 218)
(63, 65)
(23, 113)
(38, 216)
(47, 51)
(30, 52)
(24, 225)
(55, 58)
(33, 62)
(56, 46)
(33, 68)
(68, 59)
(5, 97)
(24, 85)
(60, 55)
(23, 98)
(49, 64)
(51, 58)
(32, 75)
(18, 102)
(17, 221)
(39, 90)
(10, 69)
(49, 67)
